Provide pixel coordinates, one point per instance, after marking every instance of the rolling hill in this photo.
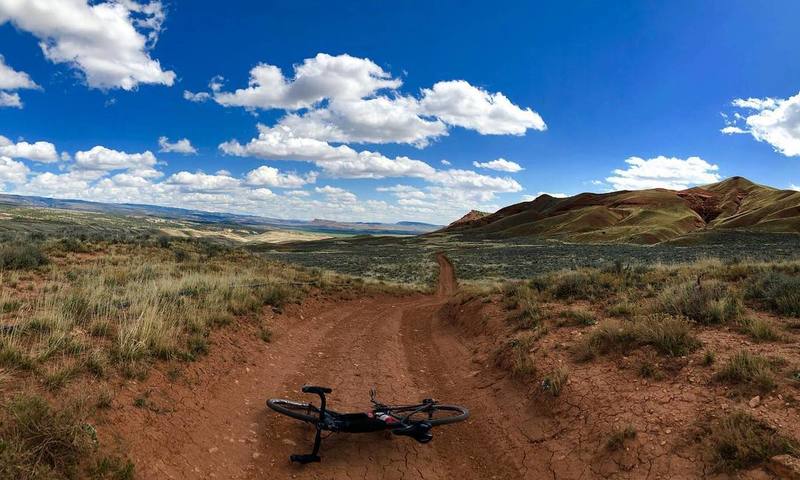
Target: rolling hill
(643, 216)
(316, 226)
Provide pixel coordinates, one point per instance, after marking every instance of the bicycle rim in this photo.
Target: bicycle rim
(299, 410)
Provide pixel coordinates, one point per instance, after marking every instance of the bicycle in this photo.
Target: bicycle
(414, 421)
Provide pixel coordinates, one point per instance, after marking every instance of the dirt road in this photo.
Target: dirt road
(214, 423)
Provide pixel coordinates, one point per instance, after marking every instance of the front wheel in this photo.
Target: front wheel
(299, 410)
(434, 414)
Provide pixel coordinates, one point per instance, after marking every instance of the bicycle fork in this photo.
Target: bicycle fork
(314, 455)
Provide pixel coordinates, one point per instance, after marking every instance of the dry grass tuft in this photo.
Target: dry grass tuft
(671, 336)
(748, 369)
(758, 329)
(555, 381)
(706, 303)
(739, 441)
(618, 438)
(778, 292)
(514, 356)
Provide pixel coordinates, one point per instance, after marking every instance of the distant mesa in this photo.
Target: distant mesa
(642, 216)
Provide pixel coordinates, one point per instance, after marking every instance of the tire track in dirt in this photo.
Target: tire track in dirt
(220, 428)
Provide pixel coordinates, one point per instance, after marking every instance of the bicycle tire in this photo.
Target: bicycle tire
(460, 414)
(294, 409)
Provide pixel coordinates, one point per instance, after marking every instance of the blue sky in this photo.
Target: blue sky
(360, 102)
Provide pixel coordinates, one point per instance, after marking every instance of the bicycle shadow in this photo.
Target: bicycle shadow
(371, 452)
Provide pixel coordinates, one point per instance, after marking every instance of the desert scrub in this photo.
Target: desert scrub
(22, 257)
(623, 308)
(739, 441)
(758, 329)
(135, 306)
(525, 300)
(777, 292)
(577, 317)
(555, 381)
(582, 285)
(514, 356)
(750, 369)
(618, 438)
(671, 336)
(706, 303)
(41, 442)
(709, 358)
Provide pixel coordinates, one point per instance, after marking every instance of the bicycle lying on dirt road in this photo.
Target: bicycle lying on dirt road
(414, 421)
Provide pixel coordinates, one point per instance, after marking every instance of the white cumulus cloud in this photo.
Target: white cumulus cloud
(459, 103)
(501, 165)
(12, 171)
(318, 78)
(272, 177)
(337, 195)
(181, 146)
(109, 42)
(10, 80)
(345, 99)
(198, 97)
(775, 121)
(100, 158)
(42, 152)
(11, 100)
(280, 143)
(663, 172)
(203, 182)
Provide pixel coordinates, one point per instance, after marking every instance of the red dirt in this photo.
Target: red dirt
(447, 277)
(213, 423)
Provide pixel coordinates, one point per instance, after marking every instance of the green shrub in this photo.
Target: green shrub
(57, 377)
(739, 441)
(609, 336)
(22, 257)
(581, 285)
(525, 301)
(778, 292)
(669, 335)
(45, 438)
(622, 308)
(514, 356)
(758, 329)
(578, 317)
(709, 358)
(707, 303)
(112, 468)
(750, 369)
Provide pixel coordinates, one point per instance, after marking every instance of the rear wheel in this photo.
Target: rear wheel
(299, 410)
(434, 414)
